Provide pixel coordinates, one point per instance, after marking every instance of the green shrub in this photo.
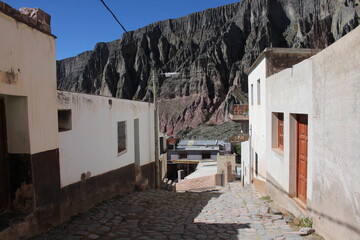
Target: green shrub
(306, 222)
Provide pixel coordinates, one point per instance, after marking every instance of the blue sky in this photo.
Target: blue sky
(80, 24)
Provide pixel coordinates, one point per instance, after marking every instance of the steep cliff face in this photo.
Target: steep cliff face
(211, 49)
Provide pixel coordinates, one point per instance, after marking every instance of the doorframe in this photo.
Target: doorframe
(303, 201)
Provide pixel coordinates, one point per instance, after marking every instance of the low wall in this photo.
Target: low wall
(226, 167)
(199, 183)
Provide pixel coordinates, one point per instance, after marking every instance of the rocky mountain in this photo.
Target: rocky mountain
(211, 50)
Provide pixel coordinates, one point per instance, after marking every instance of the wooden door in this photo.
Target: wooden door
(302, 155)
(4, 183)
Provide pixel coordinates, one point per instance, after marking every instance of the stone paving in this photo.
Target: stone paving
(231, 213)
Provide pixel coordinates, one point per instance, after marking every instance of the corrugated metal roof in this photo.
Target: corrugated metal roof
(201, 143)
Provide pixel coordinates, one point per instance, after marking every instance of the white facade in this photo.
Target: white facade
(257, 125)
(91, 146)
(324, 88)
(289, 92)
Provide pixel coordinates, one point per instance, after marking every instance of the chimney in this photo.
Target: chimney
(38, 17)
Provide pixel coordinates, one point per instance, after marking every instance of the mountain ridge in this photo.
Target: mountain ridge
(211, 49)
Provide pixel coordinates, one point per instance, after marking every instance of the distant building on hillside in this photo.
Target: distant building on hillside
(238, 109)
(197, 150)
(188, 153)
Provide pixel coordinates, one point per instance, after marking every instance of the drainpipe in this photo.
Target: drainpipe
(250, 155)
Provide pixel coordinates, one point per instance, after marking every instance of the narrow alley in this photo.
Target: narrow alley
(231, 213)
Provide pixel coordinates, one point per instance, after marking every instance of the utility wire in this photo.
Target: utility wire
(113, 15)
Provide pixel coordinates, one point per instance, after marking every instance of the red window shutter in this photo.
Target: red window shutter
(281, 131)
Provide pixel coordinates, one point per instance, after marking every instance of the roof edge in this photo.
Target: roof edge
(39, 21)
(267, 51)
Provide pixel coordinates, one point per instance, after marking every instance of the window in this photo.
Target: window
(121, 129)
(252, 94)
(280, 131)
(64, 120)
(183, 155)
(258, 92)
(206, 156)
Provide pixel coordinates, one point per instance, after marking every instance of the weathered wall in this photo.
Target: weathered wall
(28, 87)
(226, 167)
(335, 202)
(223, 161)
(91, 145)
(21, 45)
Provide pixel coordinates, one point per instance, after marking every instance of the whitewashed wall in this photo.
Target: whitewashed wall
(91, 144)
(257, 117)
(288, 92)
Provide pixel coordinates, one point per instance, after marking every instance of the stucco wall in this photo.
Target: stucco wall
(336, 95)
(257, 116)
(91, 144)
(30, 61)
(288, 92)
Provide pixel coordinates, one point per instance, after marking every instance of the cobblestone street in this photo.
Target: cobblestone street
(232, 213)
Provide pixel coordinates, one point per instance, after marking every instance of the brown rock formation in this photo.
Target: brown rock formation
(211, 49)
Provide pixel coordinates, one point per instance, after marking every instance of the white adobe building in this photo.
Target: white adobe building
(61, 153)
(270, 61)
(309, 133)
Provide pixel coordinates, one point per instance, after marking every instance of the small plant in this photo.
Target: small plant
(306, 222)
(266, 198)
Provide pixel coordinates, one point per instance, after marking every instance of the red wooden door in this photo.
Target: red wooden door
(302, 155)
(4, 187)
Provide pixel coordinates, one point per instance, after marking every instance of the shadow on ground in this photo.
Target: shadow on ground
(152, 214)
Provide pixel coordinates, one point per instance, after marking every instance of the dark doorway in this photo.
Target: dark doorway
(173, 168)
(4, 163)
